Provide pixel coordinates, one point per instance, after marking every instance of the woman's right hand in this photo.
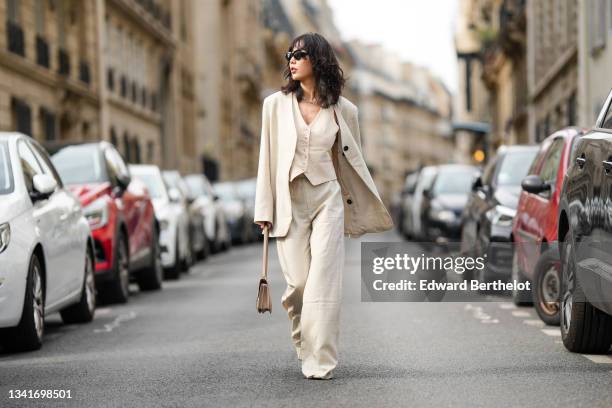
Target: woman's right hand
(262, 224)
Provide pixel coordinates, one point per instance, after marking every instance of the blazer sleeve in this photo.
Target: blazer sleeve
(264, 201)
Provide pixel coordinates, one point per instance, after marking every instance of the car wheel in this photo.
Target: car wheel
(584, 328)
(118, 290)
(519, 297)
(547, 286)
(151, 278)
(28, 334)
(174, 272)
(83, 312)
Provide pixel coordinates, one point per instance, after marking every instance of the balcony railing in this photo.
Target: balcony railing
(42, 52)
(14, 38)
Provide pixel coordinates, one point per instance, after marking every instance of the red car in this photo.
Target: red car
(534, 230)
(121, 217)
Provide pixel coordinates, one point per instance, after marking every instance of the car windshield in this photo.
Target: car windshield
(514, 167)
(154, 183)
(226, 191)
(171, 179)
(246, 188)
(79, 164)
(6, 177)
(196, 186)
(455, 181)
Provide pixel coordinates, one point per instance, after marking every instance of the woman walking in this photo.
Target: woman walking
(313, 188)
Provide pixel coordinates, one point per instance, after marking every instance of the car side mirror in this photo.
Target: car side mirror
(44, 186)
(124, 181)
(534, 184)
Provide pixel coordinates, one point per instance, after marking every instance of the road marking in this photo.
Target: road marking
(507, 306)
(117, 322)
(605, 359)
(103, 311)
(533, 322)
(552, 332)
(478, 314)
(521, 313)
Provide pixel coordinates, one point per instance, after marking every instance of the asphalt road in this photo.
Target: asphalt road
(200, 343)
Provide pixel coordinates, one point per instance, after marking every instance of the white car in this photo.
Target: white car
(204, 199)
(173, 219)
(46, 249)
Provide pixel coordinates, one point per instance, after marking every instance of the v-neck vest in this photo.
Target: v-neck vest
(313, 148)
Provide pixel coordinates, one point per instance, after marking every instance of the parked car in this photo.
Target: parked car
(246, 190)
(197, 237)
(173, 220)
(237, 213)
(207, 202)
(412, 208)
(534, 231)
(46, 248)
(120, 215)
(585, 238)
(444, 201)
(407, 196)
(487, 218)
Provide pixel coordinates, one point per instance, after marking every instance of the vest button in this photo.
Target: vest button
(349, 201)
(345, 148)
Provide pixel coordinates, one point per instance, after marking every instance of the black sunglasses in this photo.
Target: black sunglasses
(297, 54)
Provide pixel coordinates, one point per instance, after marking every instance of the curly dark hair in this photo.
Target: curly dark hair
(329, 77)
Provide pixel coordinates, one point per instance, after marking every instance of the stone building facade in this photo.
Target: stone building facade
(116, 70)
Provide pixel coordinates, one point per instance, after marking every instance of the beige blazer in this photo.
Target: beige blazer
(364, 211)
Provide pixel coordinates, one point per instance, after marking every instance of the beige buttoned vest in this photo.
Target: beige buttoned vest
(313, 155)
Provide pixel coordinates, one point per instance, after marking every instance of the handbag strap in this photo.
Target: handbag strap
(264, 269)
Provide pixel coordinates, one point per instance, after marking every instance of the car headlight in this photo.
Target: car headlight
(439, 213)
(503, 216)
(5, 236)
(96, 213)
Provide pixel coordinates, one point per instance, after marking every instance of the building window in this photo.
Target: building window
(135, 150)
(39, 17)
(127, 151)
(63, 62)
(150, 152)
(48, 124)
(113, 137)
(14, 32)
(61, 23)
(21, 116)
(597, 26)
(110, 79)
(571, 110)
(42, 52)
(84, 74)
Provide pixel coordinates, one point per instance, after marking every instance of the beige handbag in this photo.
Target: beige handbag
(264, 302)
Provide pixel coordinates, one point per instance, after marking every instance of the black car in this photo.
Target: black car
(444, 202)
(487, 218)
(585, 238)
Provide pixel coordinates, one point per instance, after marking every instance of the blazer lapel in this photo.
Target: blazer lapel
(289, 124)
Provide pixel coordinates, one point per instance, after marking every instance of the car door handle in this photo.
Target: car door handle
(581, 161)
(63, 217)
(607, 165)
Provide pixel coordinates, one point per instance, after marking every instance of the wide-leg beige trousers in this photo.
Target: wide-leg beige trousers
(312, 259)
